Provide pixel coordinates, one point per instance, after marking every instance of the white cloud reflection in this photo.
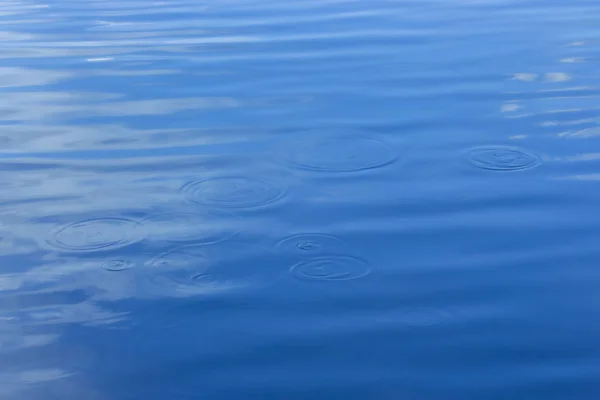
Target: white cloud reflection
(70, 191)
(11, 77)
(40, 106)
(20, 383)
(557, 77)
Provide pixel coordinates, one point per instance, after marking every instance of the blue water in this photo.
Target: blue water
(300, 199)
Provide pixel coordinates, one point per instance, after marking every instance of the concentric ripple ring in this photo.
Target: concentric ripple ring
(232, 192)
(96, 234)
(341, 153)
(331, 268)
(503, 158)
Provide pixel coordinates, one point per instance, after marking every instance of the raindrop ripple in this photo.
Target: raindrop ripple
(503, 158)
(96, 234)
(310, 244)
(341, 153)
(205, 269)
(232, 192)
(331, 268)
(117, 265)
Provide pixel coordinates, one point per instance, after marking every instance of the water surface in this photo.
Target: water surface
(339, 199)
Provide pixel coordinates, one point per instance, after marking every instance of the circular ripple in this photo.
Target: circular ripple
(208, 227)
(173, 273)
(310, 244)
(96, 234)
(341, 153)
(117, 265)
(503, 158)
(332, 268)
(205, 269)
(232, 192)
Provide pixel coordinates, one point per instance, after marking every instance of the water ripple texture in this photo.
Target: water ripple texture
(311, 244)
(340, 153)
(117, 265)
(205, 227)
(233, 192)
(503, 158)
(173, 273)
(331, 268)
(208, 269)
(300, 199)
(96, 234)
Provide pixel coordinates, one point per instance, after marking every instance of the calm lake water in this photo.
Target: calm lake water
(300, 199)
